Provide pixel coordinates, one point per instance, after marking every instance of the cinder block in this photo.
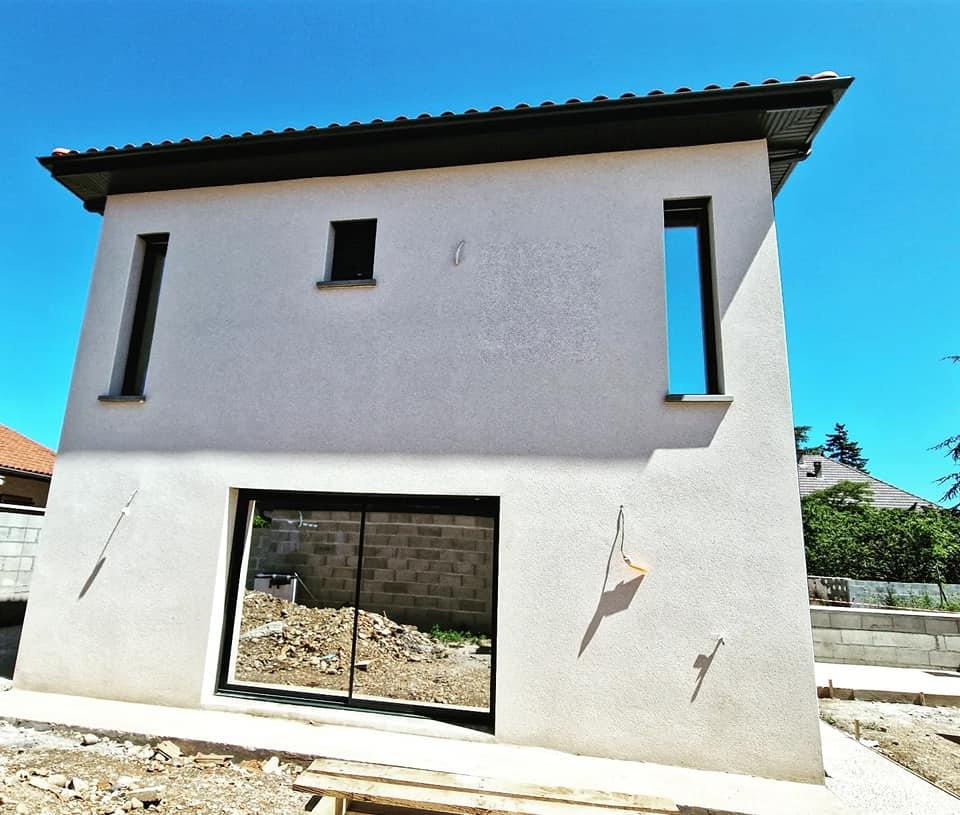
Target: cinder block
(852, 636)
(450, 580)
(926, 642)
(941, 625)
(876, 622)
(845, 619)
(913, 657)
(820, 618)
(826, 635)
(944, 659)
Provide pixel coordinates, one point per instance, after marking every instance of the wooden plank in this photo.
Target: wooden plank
(327, 805)
(459, 801)
(436, 779)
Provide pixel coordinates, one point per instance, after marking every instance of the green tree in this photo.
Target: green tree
(951, 481)
(801, 437)
(840, 447)
(846, 536)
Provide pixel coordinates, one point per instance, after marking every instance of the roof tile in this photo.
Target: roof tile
(17, 452)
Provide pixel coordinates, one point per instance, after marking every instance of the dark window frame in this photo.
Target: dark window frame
(695, 212)
(355, 246)
(140, 339)
(485, 506)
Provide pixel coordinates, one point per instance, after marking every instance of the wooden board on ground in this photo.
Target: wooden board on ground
(461, 794)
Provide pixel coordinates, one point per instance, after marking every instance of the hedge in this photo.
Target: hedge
(845, 536)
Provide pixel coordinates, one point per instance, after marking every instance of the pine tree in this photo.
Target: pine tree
(801, 435)
(840, 447)
(951, 446)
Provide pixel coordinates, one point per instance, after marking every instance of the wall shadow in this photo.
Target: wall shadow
(611, 601)
(102, 557)
(703, 663)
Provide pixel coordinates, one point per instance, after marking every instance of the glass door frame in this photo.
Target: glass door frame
(480, 506)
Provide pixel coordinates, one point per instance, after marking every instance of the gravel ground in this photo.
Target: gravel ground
(47, 771)
(909, 734)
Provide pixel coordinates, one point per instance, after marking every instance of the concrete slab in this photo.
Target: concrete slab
(699, 791)
(871, 782)
(876, 683)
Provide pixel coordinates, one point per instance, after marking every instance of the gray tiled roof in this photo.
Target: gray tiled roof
(819, 472)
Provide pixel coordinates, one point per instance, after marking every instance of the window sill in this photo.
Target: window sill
(722, 398)
(367, 283)
(136, 399)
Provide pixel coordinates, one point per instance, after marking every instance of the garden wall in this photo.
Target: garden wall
(877, 592)
(901, 639)
(422, 570)
(19, 541)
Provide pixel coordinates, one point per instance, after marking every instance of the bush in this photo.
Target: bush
(845, 536)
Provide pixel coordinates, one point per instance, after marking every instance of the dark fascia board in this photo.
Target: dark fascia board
(13, 472)
(787, 115)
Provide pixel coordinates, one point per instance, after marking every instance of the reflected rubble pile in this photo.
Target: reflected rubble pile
(290, 645)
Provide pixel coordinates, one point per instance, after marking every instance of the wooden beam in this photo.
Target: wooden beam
(465, 794)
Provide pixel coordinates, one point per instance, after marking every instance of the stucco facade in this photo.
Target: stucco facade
(535, 370)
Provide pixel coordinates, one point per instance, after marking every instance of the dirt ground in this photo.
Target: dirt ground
(283, 643)
(909, 734)
(48, 771)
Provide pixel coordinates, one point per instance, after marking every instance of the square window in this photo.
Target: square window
(353, 248)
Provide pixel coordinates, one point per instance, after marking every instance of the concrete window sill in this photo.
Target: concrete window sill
(137, 399)
(700, 398)
(347, 284)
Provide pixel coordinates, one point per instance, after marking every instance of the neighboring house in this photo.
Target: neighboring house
(422, 366)
(818, 472)
(25, 471)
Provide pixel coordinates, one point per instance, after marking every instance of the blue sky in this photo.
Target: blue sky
(868, 226)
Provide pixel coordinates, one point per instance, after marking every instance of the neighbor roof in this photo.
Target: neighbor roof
(21, 454)
(786, 114)
(830, 472)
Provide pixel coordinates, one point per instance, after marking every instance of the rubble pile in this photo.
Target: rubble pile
(101, 776)
(278, 636)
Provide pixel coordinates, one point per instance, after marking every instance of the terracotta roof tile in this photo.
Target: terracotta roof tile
(597, 100)
(17, 452)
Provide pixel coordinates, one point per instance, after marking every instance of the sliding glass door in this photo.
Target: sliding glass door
(368, 601)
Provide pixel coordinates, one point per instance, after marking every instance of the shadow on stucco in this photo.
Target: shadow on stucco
(702, 663)
(102, 557)
(612, 601)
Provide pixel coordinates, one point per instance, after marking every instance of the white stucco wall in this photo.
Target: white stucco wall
(534, 371)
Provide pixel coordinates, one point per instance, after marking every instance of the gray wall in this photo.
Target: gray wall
(19, 543)
(534, 371)
(422, 570)
(876, 592)
(900, 639)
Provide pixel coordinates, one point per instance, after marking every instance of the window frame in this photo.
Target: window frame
(329, 277)
(485, 506)
(696, 212)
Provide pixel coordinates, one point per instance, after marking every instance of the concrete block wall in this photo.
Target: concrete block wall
(899, 639)
(19, 541)
(876, 592)
(418, 569)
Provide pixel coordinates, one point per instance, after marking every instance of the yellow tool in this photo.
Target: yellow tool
(621, 530)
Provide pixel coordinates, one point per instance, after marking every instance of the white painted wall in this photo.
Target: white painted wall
(535, 371)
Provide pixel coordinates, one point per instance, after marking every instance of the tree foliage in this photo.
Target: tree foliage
(846, 536)
(801, 439)
(840, 447)
(951, 446)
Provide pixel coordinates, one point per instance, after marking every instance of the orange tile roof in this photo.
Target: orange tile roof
(17, 452)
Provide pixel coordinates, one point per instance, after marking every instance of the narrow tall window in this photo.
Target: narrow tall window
(353, 245)
(144, 315)
(692, 344)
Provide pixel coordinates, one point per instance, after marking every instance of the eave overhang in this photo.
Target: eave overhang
(787, 115)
